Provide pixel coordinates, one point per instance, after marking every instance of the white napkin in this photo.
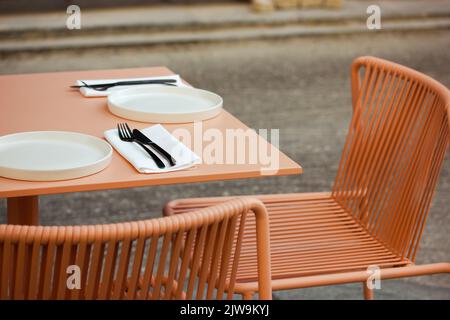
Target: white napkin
(87, 92)
(141, 160)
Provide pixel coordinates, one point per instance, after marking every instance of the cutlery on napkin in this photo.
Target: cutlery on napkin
(91, 92)
(185, 158)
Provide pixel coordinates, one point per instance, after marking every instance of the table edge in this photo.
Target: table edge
(145, 183)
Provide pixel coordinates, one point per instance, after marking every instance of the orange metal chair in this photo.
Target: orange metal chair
(192, 256)
(376, 211)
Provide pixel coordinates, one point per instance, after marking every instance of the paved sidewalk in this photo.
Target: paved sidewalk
(204, 23)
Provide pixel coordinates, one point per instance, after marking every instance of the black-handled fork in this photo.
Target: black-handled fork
(125, 134)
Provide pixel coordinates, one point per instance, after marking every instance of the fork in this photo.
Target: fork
(125, 134)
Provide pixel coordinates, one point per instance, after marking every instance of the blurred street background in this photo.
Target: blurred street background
(286, 69)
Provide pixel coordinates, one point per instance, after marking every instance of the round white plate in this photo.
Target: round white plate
(52, 155)
(162, 104)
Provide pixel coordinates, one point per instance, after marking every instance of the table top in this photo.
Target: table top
(43, 101)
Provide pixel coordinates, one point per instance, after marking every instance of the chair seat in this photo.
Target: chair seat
(310, 234)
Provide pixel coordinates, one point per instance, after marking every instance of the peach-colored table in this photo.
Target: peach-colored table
(44, 101)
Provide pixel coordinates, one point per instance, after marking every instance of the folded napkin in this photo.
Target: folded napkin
(141, 160)
(87, 92)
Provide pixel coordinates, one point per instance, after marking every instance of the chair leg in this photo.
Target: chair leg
(247, 295)
(368, 293)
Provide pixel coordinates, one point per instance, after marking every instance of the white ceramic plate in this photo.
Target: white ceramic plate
(162, 104)
(52, 155)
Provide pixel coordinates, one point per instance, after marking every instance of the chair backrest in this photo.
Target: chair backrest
(186, 256)
(394, 150)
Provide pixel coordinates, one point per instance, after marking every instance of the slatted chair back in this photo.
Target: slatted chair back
(394, 151)
(187, 256)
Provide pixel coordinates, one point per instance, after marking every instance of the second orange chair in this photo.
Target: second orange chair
(376, 211)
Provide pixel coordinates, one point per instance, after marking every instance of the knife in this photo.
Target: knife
(146, 140)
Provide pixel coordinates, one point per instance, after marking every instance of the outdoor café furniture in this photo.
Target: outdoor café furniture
(44, 101)
(122, 261)
(371, 223)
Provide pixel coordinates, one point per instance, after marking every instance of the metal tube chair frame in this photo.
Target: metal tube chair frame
(376, 211)
(192, 256)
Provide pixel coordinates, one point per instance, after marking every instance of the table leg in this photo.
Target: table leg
(23, 210)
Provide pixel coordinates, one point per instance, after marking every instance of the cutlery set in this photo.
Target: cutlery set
(135, 136)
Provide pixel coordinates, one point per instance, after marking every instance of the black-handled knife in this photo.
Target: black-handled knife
(102, 86)
(144, 139)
